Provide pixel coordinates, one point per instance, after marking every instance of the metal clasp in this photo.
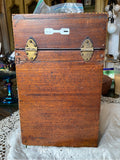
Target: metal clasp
(87, 49)
(31, 49)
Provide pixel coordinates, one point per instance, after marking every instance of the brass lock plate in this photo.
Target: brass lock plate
(31, 49)
(87, 49)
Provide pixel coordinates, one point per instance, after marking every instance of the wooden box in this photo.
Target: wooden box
(59, 62)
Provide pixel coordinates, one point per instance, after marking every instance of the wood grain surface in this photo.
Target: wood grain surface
(80, 25)
(59, 56)
(59, 103)
(59, 93)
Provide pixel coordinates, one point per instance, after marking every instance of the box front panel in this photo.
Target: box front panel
(59, 93)
(59, 100)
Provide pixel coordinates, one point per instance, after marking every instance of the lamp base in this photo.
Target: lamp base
(8, 100)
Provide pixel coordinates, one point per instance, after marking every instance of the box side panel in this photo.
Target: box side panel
(59, 102)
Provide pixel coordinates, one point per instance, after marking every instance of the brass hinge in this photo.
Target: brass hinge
(31, 49)
(87, 49)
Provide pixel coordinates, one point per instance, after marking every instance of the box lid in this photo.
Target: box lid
(60, 31)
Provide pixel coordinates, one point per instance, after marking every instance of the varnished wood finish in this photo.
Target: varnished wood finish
(81, 26)
(59, 55)
(59, 93)
(59, 103)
